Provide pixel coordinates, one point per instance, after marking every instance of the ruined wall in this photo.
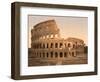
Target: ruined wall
(45, 29)
(48, 48)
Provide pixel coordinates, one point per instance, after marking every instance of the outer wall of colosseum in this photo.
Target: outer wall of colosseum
(48, 48)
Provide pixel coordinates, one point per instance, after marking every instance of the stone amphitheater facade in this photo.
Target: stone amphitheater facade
(48, 48)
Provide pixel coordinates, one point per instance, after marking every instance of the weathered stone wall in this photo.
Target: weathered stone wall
(44, 29)
(48, 48)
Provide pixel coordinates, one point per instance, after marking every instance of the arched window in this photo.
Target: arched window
(73, 54)
(51, 54)
(47, 45)
(61, 45)
(43, 55)
(51, 36)
(47, 36)
(47, 54)
(73, 45)
(61, 54)
(69, 45)
(56, 35)
(37, 45)
(56, 54)
(56, 45)
(65, 54)
(43, 45)
(51, 45)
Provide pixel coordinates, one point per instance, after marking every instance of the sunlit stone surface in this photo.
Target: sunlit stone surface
(48, 48)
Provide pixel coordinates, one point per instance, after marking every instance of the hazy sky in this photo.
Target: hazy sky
(69, 26)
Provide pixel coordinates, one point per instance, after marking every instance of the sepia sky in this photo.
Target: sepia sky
(69, 26)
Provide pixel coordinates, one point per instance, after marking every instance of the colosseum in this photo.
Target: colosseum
(49, 48)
